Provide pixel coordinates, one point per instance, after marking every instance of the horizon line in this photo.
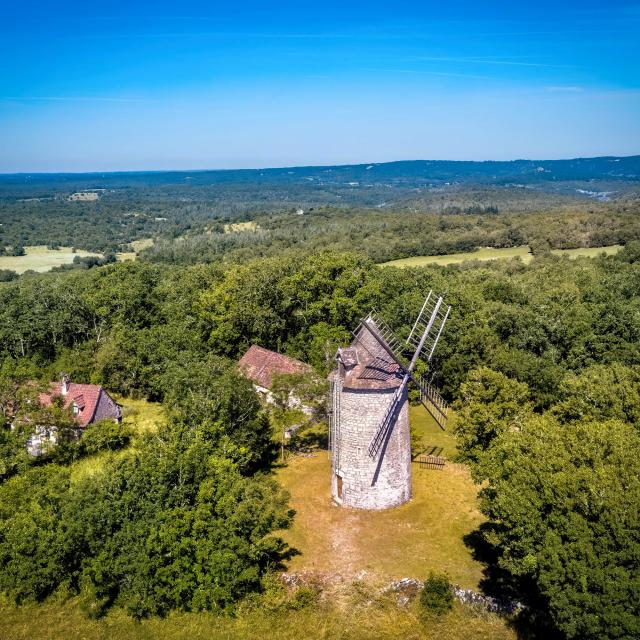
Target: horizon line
(305, 166)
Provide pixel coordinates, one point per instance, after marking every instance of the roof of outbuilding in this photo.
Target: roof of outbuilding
(84, 396)
(260, 365)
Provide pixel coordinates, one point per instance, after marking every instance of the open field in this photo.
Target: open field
(485, 253)
(490, 253)
(136, 246)
(408, 541)
(41, 259)
(588, 252)
(236, 227)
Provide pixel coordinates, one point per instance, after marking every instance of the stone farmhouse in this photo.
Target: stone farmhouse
(89, 403)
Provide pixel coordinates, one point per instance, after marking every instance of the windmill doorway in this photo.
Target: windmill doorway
(339, 486)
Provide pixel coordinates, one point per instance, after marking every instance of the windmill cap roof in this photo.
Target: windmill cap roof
(374, 368)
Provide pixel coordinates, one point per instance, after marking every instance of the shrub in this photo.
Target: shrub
(105, 435)
(436, 595)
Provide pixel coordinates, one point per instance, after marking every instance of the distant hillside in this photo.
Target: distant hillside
(404, 172)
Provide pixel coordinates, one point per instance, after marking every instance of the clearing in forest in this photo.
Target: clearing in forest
(484, 253)
(426, 534)
(136, 246)
(39, 258)
(490, 253)
(237, 227)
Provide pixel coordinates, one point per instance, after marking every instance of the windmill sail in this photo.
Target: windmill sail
(386, 337)
(428, 326)
(431, 320)
(433, 402)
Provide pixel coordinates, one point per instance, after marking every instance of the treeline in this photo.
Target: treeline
(543, 360)
(387, 236)
(122, 325)
(36, 211)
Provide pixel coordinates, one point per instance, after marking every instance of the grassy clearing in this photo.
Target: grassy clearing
(485, 253)
(362, 547)
(39, 258)
(51, 621)
(236, 227)
(137, 246)
(588, 252)
(489, 253)
(141, 415)
(408, 541)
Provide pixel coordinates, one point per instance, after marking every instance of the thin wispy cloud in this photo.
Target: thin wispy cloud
(565, 89)
(71, 99)
(491, 60)
(427, 72)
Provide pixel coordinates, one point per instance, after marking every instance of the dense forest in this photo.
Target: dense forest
(40, 209)
(542, 362)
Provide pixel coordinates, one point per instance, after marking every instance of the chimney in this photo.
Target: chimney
(65, 382)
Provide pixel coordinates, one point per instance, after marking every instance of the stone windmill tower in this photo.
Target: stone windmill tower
(369, 435)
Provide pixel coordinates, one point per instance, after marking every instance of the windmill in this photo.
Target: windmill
(370, 437)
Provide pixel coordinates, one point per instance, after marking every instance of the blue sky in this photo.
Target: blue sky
(158, 85)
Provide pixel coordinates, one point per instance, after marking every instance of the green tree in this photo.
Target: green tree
(600, 392)
(210, 396)
(563, 507)
(490, 404)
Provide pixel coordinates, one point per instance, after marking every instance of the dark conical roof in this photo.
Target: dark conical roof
(366, 365)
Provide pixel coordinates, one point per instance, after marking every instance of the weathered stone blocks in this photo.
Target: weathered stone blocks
(357, 480)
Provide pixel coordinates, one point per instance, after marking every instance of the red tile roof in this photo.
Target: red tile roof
(84, 396)
(260, 365)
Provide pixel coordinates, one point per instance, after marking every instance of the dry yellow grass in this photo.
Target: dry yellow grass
(483, 254)
(84, 196)
(51, 621)
(408, 541)
(137, 246)
(489, 253)
(236, 227)
(39, 258)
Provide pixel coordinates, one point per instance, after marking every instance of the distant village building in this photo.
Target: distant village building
(85, 196)
(89, 403)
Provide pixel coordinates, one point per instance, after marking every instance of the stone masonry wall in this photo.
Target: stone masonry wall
(361, 412)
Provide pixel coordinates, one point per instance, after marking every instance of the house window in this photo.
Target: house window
(76, 409)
